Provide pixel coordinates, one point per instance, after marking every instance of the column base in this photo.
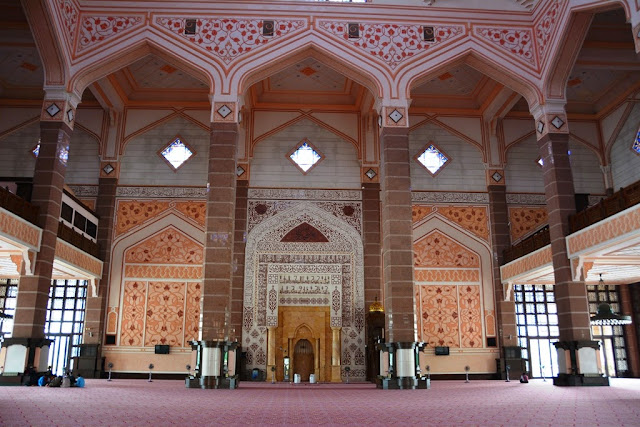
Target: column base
(336, 376)
(211, 382)
(580, 380)
(403, 383)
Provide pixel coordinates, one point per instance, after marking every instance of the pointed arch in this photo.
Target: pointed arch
(142, 46)
(134, 237)
(368, 75)
(481, 62)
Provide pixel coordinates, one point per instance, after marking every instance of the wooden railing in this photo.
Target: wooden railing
(537, 240)
(617, 202)
(18, 206)
(78, 240)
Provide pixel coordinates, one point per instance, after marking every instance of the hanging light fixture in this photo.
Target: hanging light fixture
(606, 316)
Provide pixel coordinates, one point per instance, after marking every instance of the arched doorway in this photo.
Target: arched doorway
(303, 359)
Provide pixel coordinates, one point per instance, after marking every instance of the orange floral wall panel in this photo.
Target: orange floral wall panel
(194, 210)
(167, 247)
(130, 214)
(472, 218)
(438, 250)
(526, 220)
(192, 314)
(112, 321)
(439, 305)
(470, 316)
(490, 323)
(134, 299)
(165, 314)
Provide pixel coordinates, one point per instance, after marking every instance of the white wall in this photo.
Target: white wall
(625, 164)
(585, 167)
(141, 165)
(84, 162)
(525, 176)
(464, 171)
(16, 159)
(270, 166)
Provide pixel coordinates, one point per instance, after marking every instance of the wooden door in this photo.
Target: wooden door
(303, 359)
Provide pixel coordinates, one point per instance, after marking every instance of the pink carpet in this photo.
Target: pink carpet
(138, 402)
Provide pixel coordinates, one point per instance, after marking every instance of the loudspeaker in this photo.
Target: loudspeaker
(162, 349)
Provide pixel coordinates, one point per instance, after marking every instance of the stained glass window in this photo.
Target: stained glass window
(636, 144)
(305, 156)
(176, 153)
(433, 159)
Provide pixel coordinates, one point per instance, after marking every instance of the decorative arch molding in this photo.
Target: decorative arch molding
(132, 49)
(166, 119)
(477, 57)
(434, 120)
(52, 53)
(137, 236)
(340, 259)
(435, 222)
(370, 75)
(305, 115)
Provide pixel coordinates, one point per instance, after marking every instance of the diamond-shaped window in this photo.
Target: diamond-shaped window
(636, 144)
(540, 162)
(305, 156)
(432, 158)
(176, 153)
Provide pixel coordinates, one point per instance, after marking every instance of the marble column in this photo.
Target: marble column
(33, 291)
(271, 353)
(218, 259)
(95, 308)
(239, 246)
(397, 236)
(577, 356)
(371, 237)
(505, 305)
(336, 374)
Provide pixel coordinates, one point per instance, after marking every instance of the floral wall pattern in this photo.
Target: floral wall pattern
(525, 220)
(161, 292)
(472, 218)
(134, 213)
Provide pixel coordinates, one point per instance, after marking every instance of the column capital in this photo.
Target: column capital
(59, 106)
(393, 113)
(550, 118)
(226, 108)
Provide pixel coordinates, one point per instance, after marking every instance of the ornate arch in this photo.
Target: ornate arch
(141, 46)
(340, 258)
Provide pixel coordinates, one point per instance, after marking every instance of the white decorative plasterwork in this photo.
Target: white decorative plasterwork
(259, 210)
(340, 258)
(162, 192)
(230, 38)
(96, 29)
(437, 197)
(303, 194)
(391, 43)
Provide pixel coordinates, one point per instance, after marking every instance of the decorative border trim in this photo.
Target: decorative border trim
(438, 197)
(162, 192)
(84, 190)
(526, 199)
(303, 194)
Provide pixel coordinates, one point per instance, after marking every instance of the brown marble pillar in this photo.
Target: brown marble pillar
(95, 309)
(48, 182)
(239, 246)
(371, 237)
(576, 350)
(571, 297)
(397, 237)
(219, 244)
(627, 304)
(505, 305)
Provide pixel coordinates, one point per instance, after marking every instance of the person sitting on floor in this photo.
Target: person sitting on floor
(524, 378)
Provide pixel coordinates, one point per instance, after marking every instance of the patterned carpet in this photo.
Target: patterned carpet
(484, 403)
